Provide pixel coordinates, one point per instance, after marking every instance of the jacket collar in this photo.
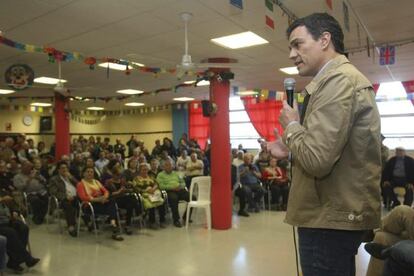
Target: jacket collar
(331, 65)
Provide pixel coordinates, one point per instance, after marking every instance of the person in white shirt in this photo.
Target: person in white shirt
(182, 161)
(194, 167)
(101, 162)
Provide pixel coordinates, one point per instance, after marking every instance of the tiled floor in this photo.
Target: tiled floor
(259, 245)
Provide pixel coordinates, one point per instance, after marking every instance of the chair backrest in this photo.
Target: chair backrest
(203, 184)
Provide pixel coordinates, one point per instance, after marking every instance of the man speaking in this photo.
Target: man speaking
(336, 150)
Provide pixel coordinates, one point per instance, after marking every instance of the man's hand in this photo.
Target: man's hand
(277, 148)
(387, 183)
(288, 114)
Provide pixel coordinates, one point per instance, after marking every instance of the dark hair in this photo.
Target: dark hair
(60, 164)
(318, 23)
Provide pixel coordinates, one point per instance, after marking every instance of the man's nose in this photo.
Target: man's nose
(293, 54)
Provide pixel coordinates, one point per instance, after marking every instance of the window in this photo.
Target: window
(397, 115)
(241, 129)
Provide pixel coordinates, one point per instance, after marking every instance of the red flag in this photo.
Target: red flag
(269, 22)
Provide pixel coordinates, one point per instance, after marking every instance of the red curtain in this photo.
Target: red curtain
(409, 89)
(199, 126)
(264, 116)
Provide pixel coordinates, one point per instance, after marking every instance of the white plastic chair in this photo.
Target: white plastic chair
(203, 184)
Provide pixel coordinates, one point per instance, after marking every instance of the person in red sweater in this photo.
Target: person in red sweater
(91, 190)
(278, 182)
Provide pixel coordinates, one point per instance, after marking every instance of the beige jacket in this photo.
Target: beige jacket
(336, 153)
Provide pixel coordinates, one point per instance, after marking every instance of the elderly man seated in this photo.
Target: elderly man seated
(250, 180)
(173, 183)
(396, 226)
(30, 181)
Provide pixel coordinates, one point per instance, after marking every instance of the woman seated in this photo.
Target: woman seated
(131, 172)
(91, 190)
(121, 191)
(278, 182)
(148, 188)
(63, 187)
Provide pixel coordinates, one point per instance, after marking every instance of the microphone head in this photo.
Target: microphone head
(289, 83)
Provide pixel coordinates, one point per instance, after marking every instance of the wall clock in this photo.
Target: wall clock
(27, 120)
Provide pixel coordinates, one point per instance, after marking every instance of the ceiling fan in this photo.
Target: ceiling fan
(186, 62)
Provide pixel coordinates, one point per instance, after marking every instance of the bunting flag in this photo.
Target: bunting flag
(29, 108)
(237, 3)
(329, 4)
(387, 55)
(91, 61)
(269, 14)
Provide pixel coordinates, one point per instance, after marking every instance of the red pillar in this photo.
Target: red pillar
(221, 207)
(62, 136)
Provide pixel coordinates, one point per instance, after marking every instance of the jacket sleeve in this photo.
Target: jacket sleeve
(318, 144)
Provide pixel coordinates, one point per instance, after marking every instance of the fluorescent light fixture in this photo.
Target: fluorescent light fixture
(138, 64)
(247, 93)
(183, 99)
(116, 66)
(130, 91)
(203, 83)
(241, 40)
(47, 80)
(6, 91)
(134, 104)
(41, 104)
(290, 70)
(190, 82)
(113, 66)
(95, 108)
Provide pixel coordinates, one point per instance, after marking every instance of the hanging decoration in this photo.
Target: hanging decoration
(345, 11)
(19, 76)
(237, 3)
(387, 55)
(269, 14)
(91, 61)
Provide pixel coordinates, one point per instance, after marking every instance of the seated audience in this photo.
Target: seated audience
(17, 234)
(165, 157)
(174, 185)
(238, 191)
(151, 194)
(63, 187)
(132, 171)
(119, 148)
(91, 164)
(157, 150)
(77, 166)
(239, 159)
(33, 184)
(250, 180)
(182, 161)
(278, 182)
(399, 172)
(154, 168)
(398, 225)
(101, 162)
(194, 168)
(121, 192)
(91, 190)
(398, 258)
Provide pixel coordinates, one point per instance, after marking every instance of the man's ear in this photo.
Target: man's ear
(325, 40)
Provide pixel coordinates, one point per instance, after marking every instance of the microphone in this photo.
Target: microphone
(289, 84)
